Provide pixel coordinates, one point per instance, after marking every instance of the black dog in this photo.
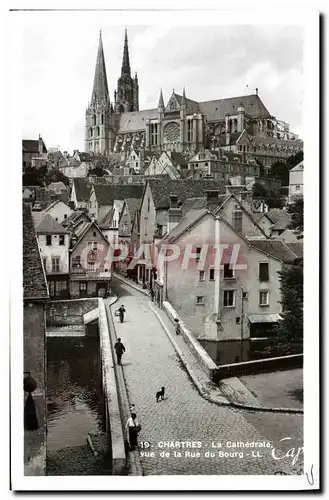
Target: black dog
(160, 394)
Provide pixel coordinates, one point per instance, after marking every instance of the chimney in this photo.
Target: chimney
(174, 213)
(212, 199)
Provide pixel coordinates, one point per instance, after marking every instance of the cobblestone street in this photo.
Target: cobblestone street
(151, 362)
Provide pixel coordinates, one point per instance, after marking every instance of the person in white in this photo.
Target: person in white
(133, 428)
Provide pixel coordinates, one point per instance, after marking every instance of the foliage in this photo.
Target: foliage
(97, 171)
(296, 210)
(42, 177)
(258, 191)
(290, 329)
(295, 159)
(280, 170)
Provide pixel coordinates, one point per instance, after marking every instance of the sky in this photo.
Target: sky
(57, 62)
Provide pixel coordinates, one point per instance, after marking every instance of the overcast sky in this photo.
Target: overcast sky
(58, 63)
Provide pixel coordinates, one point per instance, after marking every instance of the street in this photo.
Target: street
(185, 434)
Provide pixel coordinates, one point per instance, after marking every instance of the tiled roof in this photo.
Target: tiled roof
(82, 189)
(34, 279)
(191, 106)
(72, 218)
(107, 220)
(277, 214)
(297, 248)
(48, 225)
(216, 110)
(136, 120)
(163, 187)
(298, 167)
(275, 248)
(32, 146)
(133, 204)
(187, 221)
(107, 194)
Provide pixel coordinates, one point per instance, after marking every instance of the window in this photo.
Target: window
(237, 220)
(106, 237)
(148, 204)
(198, 252)
(244, 295)
(94, 233)
(83, 285)
(65, 216)
(297, 187)
(189, 131)
(263, 298)
(95, 245)
(55, 264)
(229, 298)
(89, 245)
(211, 274)
(94, 120)
(44, 260)
(56, 219)
(97, 132)
(48, 239)
(172, 106)
(238, 320)
(102, 119)
(90, 132)
(62, 239)
(201, 275)
(228, 272)
(263, 273)
(154, 134)
(199, 300)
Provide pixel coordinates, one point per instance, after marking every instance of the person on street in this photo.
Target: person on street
(177, 327)
(121, 313)
(133, 428)
(152, 295)
(119, 349)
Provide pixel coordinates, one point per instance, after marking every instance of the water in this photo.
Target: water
(75, 404)
(236, 351)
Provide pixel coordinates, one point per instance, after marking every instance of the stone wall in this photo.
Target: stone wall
(68, 312)
(34, 362)
(260, 366)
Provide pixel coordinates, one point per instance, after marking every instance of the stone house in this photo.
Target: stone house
(34, 153)
(90, 269)
(80, 193)
(133, 162)
(232, 303)
(125, 227)
(53, 241)
(35, 297)
(296, 182)
(58, 210)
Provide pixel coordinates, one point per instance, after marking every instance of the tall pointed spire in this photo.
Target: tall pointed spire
(125, 68)
(161, 103)
(100, 88)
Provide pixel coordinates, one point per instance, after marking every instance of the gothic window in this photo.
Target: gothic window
(154, 134)
(94, 119)
(91, 132)
(102, 119)
(97, 131)
(189, 131)
(172, 106)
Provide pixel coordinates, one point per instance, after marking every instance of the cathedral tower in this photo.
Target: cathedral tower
(126, 97)
(98, 113)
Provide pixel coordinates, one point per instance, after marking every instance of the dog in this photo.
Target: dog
(160, 394)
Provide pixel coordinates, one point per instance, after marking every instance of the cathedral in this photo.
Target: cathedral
(237, 124)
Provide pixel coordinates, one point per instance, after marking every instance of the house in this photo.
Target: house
(263, 221)
(90, 269)
(169, 163)
(53, 241)
(296, 182)
(133, 162)
(238, 301)
(74, 169)
(58, 210)
(126, 221)
(80, 193)
(77, 217)
(280, 221)
(102, 197)
(35, 297)
(155, 205)
(34, 153)
(57, 187)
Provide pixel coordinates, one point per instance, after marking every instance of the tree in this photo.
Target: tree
(258, 191)
(290, 329)
(296, 210)
(97, 171)
(280, 170)
(295, 159)
(56, 176)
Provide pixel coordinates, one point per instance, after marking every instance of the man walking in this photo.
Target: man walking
(119, 349)
(121, 313)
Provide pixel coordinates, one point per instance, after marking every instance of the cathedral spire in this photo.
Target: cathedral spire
(161, 103)
(125, 68)
(100, 88)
